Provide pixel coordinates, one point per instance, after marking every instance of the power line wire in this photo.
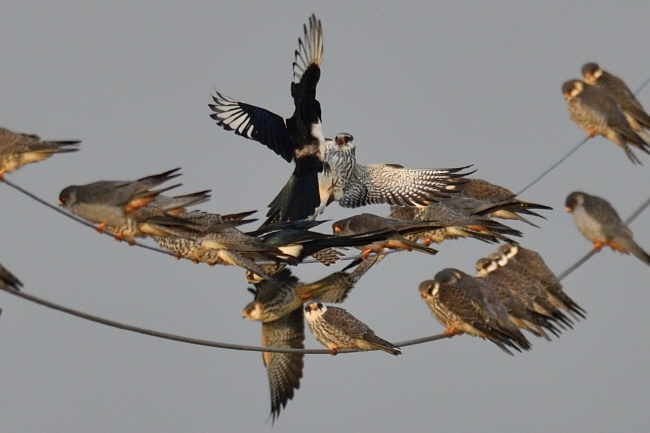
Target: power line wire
(552, 167)
(272, 349)
(79, 220)
(231, 346)
(197, 341)
(137, 244)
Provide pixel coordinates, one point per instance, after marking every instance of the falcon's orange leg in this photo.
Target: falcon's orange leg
(451, 331)
(365, 253)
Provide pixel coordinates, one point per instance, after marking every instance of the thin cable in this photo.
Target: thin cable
(230, 346)
(572, 151)
(552, 167)
(197, 341)
(208, 343)
(587, 256)
(137, 244)
(79, 220)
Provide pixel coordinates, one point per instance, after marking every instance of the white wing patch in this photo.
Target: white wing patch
(231, 116)
(311, 51)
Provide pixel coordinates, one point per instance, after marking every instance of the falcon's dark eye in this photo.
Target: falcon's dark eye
(320, 306)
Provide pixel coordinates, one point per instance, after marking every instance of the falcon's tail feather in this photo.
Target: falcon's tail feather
(631, 247)
(56, 146)
(180, 202)
(567, 303)
(9, 279)
(381, 344)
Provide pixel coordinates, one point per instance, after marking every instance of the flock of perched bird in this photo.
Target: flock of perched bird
(514, 290)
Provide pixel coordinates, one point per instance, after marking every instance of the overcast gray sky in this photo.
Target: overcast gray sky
(423, 85)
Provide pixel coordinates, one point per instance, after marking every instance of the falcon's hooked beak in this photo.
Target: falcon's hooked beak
(569, 208)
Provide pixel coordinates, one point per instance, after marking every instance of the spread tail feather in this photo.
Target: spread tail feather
(298, 199)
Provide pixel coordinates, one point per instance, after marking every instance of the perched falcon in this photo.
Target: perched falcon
(17, 149)
(598, 221)
(184, 246)
(525, 287)
(460, 217)
(519, 313)
(392, 229)
(298, 138)
(155, 218)
(483, 190)
(631, 107)
(9, 280)
(229, 246)
(533, 262)
(277, 305)
(337, 329)
(109, 203)
(597, 113)
(285, 293)
(527, 261)
(280, 243)
(354, 185)
(464, 304)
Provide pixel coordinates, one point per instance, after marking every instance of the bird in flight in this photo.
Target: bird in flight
(299, 138)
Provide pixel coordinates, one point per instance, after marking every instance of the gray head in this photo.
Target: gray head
(449, 276)
(68, 196)
(576, 198)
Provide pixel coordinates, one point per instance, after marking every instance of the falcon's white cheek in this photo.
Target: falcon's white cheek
(576, 91)
(255, 313)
